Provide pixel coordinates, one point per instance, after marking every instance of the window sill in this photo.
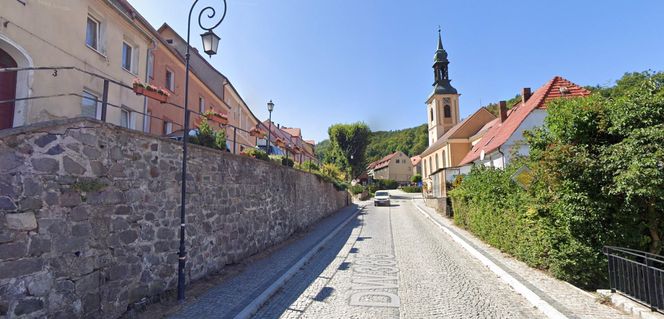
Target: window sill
(130, 72)
(97, 51)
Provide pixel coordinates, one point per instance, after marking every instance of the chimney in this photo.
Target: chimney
(503, 111)
(278, 125)
(525, 95)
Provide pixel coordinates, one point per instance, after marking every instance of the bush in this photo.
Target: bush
(357, 189)
(417, 178)
(333, 171)
(411, 189)
(208, 137)
(308, 166)
(256, 153)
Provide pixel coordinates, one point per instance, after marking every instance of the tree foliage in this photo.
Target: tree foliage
(348, 143)
(411, 141)
(598, 179)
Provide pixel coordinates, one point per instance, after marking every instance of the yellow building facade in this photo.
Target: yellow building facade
(97, 37)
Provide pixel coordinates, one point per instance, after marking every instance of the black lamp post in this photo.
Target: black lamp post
(210, 45)
(270, 107)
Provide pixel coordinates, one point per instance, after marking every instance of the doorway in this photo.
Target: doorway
(7, 90)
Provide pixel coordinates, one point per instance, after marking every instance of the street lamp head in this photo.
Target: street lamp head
(210, 43)
(270, 106)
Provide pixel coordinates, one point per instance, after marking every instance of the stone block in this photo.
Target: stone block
(116, 153)
(166, 233)
(88, 283)
(85, 138)
(9, 162)
(13, 250)
(98, 168)
(45, 165)
(79, 213)
(31, 187)
(21, 221)
(122, 210)
(92, 153)
(6, 204)
(128, 236)
(45, 140)
(69, 244)
(70, 199)
(40, 284)
(21, 267)
(81, 230)
(39, 246)
(28, 306)
(55, 150)
(72, 167)
(117, 272)
(119, 224)
(30, 203)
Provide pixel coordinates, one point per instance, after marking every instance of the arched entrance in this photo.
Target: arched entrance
(13, 55)
(7, 90)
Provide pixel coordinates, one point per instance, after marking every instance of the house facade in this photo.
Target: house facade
(396, 166)
(215, 92)
(101, 39)
(168, 72)
(504, 139)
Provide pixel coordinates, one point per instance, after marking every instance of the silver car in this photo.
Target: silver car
(382, 198)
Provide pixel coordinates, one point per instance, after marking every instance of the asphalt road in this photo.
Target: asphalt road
(391, 262)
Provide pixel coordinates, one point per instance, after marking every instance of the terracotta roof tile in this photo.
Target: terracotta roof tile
(499, 133)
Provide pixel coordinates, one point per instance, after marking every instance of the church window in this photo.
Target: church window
(448, 111)
(431, 114)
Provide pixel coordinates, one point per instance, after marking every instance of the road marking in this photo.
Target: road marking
(532, 297)
(255, 305)
(371, 273)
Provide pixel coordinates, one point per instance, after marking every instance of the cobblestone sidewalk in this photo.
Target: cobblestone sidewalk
(570, 300)
(233, 295)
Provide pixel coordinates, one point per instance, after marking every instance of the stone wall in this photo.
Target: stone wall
(89, 215)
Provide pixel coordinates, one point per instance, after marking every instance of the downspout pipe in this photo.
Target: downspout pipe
(146, 118)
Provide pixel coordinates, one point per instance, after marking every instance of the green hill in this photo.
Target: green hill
(411, 141)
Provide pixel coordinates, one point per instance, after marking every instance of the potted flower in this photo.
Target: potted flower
(256, 132)
(216, 117)
(280, 142)
(150, 91)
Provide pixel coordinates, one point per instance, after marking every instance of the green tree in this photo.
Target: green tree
(349, 143)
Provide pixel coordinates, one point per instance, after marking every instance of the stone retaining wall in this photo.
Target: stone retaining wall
(89, 215)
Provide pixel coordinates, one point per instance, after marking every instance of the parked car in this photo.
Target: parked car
(382, 198)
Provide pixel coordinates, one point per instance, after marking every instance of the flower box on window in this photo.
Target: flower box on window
(257, 133)
(150, 91)
(280, 143)
(219, 118)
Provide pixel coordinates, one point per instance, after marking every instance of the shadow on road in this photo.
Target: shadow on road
(311, 271)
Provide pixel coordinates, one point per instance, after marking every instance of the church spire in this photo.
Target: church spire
(441, 73)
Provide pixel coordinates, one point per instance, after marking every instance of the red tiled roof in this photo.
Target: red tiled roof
(383, 162)
(415, 160)
(296, 132)
(499, 133)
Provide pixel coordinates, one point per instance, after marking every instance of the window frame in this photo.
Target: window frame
(98, 104)
(201, 104)
(167, 128)
(122, 112)
(132, 53)
(170, 83)
(447, 111)
(97, 35)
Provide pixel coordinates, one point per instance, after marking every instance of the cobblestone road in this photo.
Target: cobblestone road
(395, 264)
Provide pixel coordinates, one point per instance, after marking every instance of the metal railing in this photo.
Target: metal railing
(638, 275)
(232, 132)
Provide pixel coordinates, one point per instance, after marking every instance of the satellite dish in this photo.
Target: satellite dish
(481, 155)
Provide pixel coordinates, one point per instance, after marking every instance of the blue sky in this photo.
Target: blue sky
(327, 62)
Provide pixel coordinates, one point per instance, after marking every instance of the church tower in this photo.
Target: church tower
(443, 103)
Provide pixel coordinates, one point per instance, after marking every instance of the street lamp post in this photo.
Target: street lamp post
(270, 107)
(210, 46)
